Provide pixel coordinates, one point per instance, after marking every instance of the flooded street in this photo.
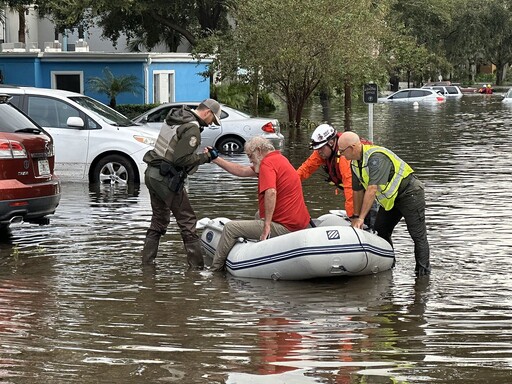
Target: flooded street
(77, 307)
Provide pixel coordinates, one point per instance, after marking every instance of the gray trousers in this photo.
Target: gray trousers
(247, 229)
(163, 202)
(410, 205)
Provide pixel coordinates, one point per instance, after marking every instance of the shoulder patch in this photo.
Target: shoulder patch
(374, 161)
(193, 141)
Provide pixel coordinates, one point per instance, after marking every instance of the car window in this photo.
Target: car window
(400, 95)
(108, 114)
(158, 116)
(16, 100)
(49, 112)
(224, 114)
(439, 89)
(13, 120)
(419, 93)
(452, 90)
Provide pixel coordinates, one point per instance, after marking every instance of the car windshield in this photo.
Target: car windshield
(14, 121)
(106, 113)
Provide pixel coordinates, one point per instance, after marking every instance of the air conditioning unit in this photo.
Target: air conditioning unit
(33, 47)
(52, 46)
(81, 46)
(13, 47)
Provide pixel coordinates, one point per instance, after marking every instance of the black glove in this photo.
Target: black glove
(213, 153)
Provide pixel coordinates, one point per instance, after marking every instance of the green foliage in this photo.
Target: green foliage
(234, 94)
(239, 95)
(455, 37)
(146, 23)
(112, 86)
(291, 47)
(133, 110)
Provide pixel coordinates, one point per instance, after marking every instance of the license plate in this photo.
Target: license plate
(44, 167)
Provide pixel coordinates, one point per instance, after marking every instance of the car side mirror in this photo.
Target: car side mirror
(75, 121)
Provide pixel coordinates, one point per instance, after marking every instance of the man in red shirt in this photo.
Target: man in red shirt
(281, 203)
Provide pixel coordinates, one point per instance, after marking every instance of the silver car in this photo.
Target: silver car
(236, 127)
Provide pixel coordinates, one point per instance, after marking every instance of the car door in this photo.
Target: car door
(71, 143)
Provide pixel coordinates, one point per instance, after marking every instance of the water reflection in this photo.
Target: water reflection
(76, 306)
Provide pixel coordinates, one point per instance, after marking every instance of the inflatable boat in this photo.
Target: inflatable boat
(331, 248)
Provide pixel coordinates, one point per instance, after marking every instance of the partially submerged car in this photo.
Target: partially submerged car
(507, 99)
(449, 91)
(29, 189)
(411, 95)
(236, 127)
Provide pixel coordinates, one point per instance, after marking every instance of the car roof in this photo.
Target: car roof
(42, 91)
(194, 103)
(414, 89)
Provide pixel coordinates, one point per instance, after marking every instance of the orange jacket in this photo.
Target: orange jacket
(313, 162)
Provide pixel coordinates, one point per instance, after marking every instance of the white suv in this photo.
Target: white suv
(450, 91)
(92, 141)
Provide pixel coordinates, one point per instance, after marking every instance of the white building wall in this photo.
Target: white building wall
(42, 30)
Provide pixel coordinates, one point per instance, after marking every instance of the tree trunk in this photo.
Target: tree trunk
(21, 22)
(112, 104)
(326, 105)
(348, 105)
(255, 92)
(500, 73)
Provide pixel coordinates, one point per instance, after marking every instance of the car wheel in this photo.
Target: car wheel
(113, 169)
(230, 145)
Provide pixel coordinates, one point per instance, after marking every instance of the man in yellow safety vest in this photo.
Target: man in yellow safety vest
(377, 173)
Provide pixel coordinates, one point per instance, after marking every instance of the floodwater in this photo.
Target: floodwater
(76, 306)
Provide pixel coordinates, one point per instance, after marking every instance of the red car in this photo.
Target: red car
(29, 191)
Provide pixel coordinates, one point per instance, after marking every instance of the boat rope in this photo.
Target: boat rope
(364, 249)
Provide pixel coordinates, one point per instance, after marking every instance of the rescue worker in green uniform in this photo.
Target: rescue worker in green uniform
(377, 173)
(169, 163)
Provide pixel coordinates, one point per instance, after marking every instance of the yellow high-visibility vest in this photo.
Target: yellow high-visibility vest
(386, 193)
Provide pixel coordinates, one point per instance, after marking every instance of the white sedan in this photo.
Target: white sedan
(236, 127)
(411, 95)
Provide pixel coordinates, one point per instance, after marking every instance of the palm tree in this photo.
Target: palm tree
(113, 86)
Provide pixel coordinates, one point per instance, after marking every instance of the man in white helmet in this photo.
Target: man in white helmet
(324, 142)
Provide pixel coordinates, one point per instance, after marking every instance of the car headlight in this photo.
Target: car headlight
(148, 140)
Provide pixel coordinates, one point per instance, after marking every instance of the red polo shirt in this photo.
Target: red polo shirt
(277, 172)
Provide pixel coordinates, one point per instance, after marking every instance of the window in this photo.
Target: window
(452, 90)
(158, 116)
(163, 87)
(68, 81)
(401, 95)
(419, 93)
(49, 112)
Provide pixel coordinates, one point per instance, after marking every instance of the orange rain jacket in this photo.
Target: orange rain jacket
(338, 169)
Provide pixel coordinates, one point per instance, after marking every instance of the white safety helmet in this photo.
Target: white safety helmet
(321, 135)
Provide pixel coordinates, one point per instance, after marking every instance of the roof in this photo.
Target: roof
(109, 56)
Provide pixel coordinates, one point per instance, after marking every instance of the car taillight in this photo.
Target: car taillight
(269, 128)
(50, 150)
(12, 150)
(440, 98)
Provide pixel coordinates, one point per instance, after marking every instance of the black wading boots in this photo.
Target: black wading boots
(194, 254)
(150, 247)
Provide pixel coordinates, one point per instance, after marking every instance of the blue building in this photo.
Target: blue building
(165, 77)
